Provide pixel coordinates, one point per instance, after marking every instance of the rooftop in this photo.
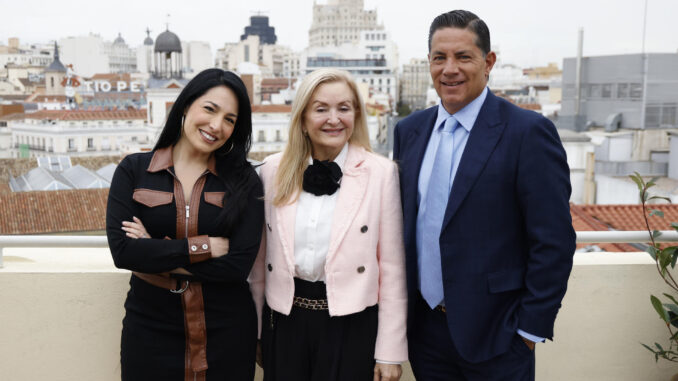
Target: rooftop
(63, 211)
(272, 108)
(132, 114)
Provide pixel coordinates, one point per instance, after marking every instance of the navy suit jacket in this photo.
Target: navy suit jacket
(507, 240)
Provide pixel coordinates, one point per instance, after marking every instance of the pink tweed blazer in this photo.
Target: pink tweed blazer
(365, 263)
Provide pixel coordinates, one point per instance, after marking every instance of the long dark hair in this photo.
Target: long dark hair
(232, 166)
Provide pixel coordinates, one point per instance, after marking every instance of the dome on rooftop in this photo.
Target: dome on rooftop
(148, 41)
(167, 42)
(119, 39)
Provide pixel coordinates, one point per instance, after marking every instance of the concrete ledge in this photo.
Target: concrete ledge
(62, 309)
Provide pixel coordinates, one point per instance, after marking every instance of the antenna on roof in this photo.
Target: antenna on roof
(167, 22)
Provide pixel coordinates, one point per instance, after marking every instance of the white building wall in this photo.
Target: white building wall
(576, 159)
(614, 190)
(197, 56)
(673, 156)
(5, 142)
(87, 54)
(620, 147)
(73, 137)
(121, 58)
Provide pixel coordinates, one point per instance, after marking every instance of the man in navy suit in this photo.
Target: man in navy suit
(488, 233)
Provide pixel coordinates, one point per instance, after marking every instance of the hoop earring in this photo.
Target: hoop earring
(183, 120)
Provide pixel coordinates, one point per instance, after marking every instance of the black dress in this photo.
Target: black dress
(156, 339)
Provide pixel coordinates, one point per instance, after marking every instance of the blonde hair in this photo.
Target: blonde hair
(294, 161)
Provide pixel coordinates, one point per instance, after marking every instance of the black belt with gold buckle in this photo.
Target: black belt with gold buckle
(440, 308)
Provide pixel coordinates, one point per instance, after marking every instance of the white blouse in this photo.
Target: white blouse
(312, 229)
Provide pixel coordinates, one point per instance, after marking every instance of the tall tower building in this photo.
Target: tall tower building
(54, 75)
(340, 21)
(259, 27)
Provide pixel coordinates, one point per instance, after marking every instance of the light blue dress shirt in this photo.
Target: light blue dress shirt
(467, 118)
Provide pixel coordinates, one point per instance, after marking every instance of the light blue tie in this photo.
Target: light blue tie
(437, 194)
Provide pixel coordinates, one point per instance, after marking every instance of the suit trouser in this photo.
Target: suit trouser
(434, 357)
(310, 345)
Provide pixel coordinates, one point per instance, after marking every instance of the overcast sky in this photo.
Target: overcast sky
(526, 32)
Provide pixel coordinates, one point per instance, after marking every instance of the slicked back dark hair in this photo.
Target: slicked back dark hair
(232, 166)
(463, 20)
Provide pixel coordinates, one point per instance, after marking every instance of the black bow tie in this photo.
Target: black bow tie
(322, 177)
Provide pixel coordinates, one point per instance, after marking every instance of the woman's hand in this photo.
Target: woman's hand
(387, 372)
(219, 246)
(135, 229)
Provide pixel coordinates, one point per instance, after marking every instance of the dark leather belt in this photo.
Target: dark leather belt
(194, 314)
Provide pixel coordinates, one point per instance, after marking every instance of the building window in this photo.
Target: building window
(277, 136)
(594, 91)
(622, 90)
(90, 143)
(51, 81)
(636, 91)
(669, 115)
(607, 91)
(71, 144)
(652, 115)
(261, 137)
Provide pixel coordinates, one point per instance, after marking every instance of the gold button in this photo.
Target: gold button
(361, 269)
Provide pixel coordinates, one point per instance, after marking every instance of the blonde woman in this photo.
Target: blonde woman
(332, 265)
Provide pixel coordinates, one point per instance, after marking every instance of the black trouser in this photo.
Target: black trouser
(434, 357)
(312, 345)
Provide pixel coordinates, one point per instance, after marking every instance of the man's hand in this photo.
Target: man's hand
(529, 343)
(387, 372)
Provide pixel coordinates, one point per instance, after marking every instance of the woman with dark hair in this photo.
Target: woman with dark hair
(186, 219)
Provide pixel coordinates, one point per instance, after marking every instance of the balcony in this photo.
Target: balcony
(62, 307)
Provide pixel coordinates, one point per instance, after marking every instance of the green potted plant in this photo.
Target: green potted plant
(665, 259)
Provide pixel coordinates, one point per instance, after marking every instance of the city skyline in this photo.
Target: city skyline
(610, 27)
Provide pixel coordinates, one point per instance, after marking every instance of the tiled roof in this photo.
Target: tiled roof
(581, 221)
(126, 77)
(88, 115)
(272, 108)
(620, 217)
(630, 217)
(277, 81)
(15, 116)
(77, 210)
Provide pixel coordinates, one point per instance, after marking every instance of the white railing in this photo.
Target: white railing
(96, 241)
(101, 241)
(618, 236)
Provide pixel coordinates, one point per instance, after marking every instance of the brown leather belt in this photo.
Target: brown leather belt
(194, 316)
